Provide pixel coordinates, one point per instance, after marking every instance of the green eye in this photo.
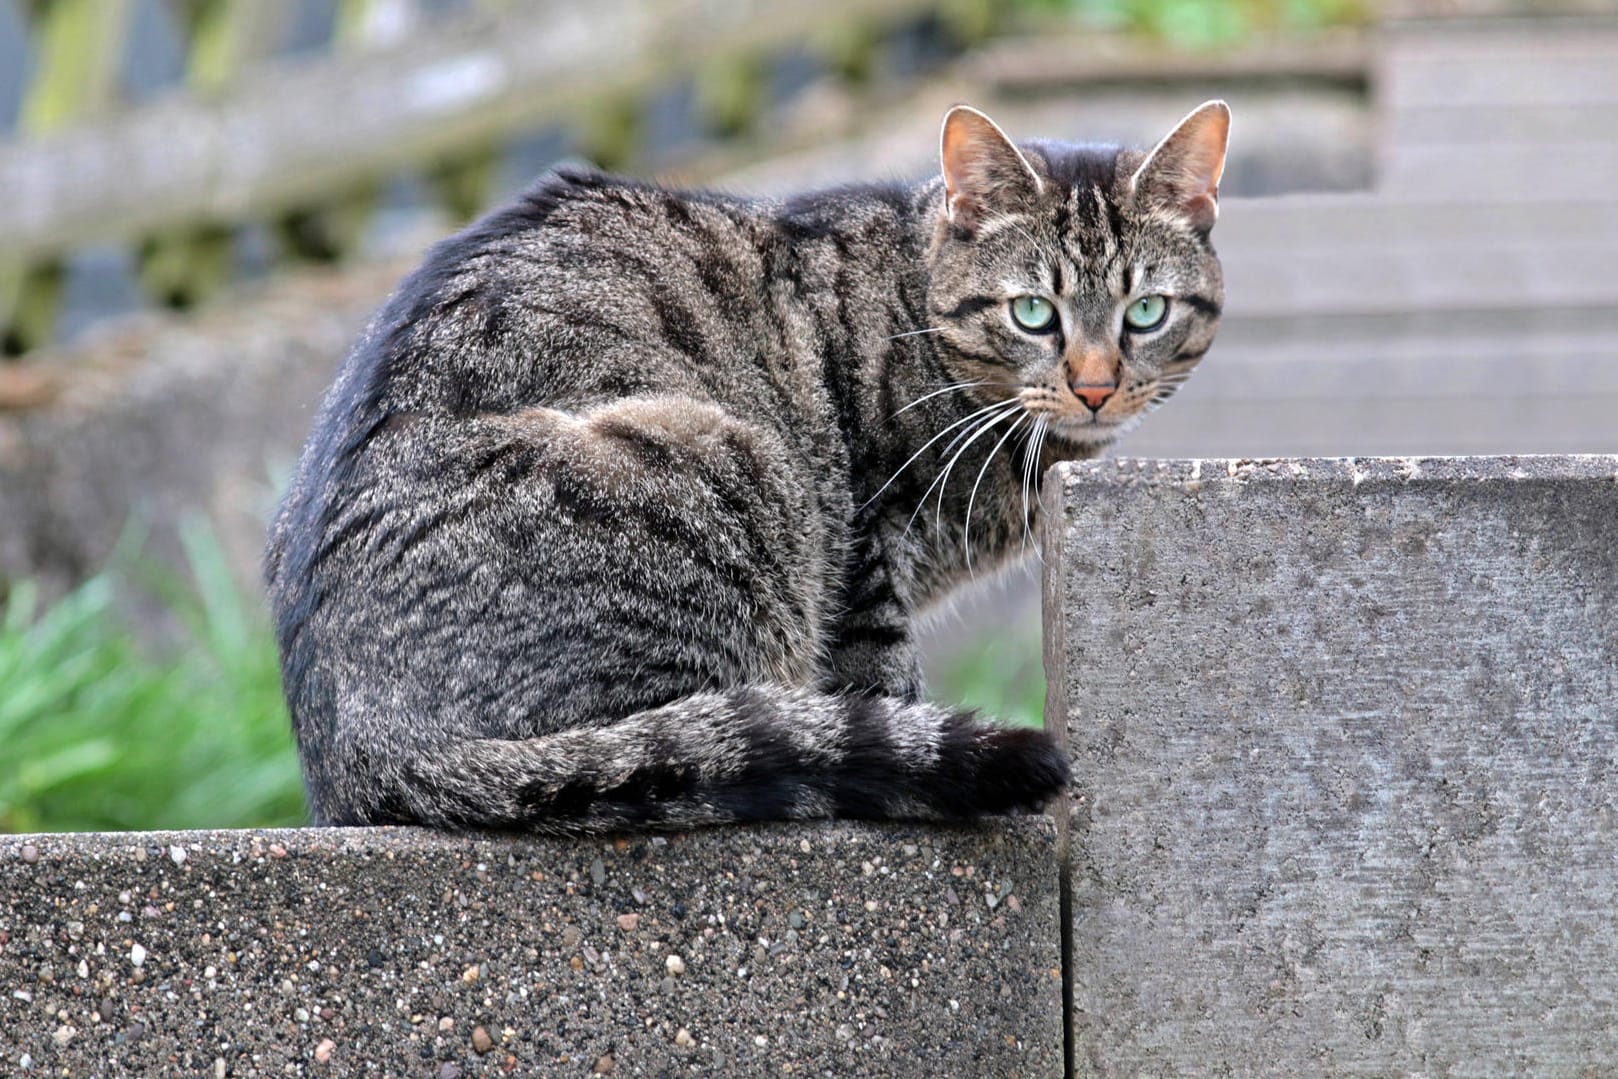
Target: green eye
(1146, 313)
(1033, 313)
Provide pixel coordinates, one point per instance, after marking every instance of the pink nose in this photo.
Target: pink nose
(1094, 394)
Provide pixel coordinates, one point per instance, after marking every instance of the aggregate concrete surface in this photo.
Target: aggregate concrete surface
(840, 950)
(1346, 764)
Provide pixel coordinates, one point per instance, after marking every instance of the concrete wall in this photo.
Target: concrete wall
(1345, 803)
(832, 951)
(1346, 790)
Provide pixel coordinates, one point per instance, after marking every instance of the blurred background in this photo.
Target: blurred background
(202, 201)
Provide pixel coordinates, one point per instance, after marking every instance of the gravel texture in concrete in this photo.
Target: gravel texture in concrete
(786, 950)
(1346, 763)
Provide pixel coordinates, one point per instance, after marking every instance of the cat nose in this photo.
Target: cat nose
(1094, 394)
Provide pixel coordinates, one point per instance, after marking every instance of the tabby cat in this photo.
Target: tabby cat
(620, 514)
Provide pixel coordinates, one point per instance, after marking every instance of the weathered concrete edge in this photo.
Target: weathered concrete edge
(1052, 525)
(1195, 473)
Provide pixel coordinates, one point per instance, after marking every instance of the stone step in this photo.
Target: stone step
(835, 950)
(1571, 171)
(1345, 763)
(1275, 284)
(1396, 365)
(1510, 63)
(1326, 223)
(1238, 427)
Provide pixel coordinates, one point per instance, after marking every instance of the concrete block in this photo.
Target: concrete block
(1346, 765)
(788, 950)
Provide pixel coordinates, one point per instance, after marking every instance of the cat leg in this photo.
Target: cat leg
(872, 651)
(874, 655)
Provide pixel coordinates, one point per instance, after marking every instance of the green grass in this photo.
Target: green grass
(103, 734)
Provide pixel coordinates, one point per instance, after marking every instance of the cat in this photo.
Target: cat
(621, 512)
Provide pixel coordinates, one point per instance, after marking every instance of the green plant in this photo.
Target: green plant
(1003, 674)
(103, 734)
(1201, 24)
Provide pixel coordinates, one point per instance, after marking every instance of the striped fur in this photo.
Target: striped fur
(621, 512)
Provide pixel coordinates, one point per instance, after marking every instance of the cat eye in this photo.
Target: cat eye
(1146, 313)
(1033, 313)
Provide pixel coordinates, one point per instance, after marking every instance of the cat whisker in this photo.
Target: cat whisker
(964, 419)
(956, 441)
(941, 481)
(914, 333)
(953, 388)
(966, 536)
(1039, 455)
(1031, 451)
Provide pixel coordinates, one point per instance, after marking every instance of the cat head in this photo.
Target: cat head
(1077, 280)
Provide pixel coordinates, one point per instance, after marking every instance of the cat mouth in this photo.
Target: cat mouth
(1084, 429)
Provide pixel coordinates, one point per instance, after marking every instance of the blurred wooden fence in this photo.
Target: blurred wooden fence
(306, 143)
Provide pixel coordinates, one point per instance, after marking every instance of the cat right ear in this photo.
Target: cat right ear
(983, 169)
(1181, 174)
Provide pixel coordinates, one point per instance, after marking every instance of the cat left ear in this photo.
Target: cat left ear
(983, 169)
(1182, 172)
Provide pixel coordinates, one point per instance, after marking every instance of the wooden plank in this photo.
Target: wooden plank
(183, 266)
(75, 77)
(291, 135)
(333, 228)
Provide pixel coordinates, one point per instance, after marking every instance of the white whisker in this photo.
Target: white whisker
(928, 396)
(1029, 467)
(956, 441)
(966, 536)
(913, 333)
(941, 481)
(1039, 479)
(964, 419)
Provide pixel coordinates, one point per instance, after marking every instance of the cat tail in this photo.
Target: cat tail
(748, 754)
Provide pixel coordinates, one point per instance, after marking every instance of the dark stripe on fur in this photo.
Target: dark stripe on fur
(969, 306)
(731, 757)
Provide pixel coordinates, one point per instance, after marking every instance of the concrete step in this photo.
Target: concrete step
(1362, 222)
(835, 950)
(1511, 63)
(1346, 775)
(1273, 283)
(1232, 426)
(1569, 171)
(1396, 365)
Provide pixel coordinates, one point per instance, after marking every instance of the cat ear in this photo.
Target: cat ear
(1181, 174)
(983, 169)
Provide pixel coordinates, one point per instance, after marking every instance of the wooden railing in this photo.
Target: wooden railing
(305, 145)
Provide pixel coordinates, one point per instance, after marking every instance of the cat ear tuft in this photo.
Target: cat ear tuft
(983, 169)
(1181, 174)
